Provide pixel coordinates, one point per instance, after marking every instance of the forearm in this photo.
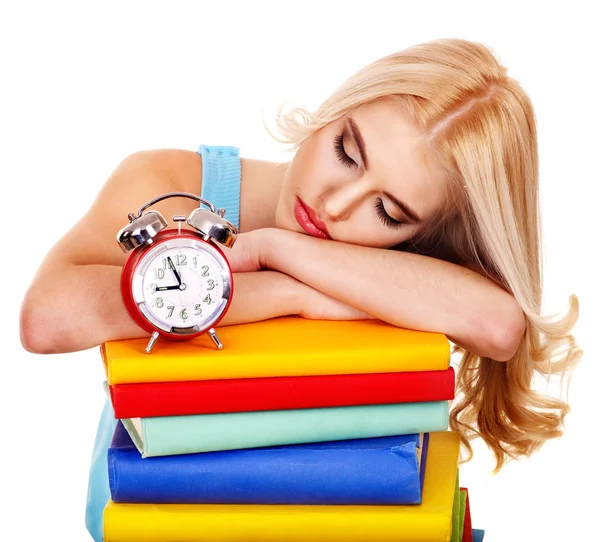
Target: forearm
(75, 308)
(82, 307)
(407, 290)
(261, 295)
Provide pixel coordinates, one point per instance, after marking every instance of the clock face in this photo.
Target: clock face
(182, 283)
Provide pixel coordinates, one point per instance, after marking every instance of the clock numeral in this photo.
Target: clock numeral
(181, 259)
(207, 299)
(195, 260)
(198, 309)
(183, 314)
(171, 308)
(204, 271)
(159, 302)
(159, 274)
(211, 285)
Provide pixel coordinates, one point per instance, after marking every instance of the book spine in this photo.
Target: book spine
(269, 476)
(279, 393)
(171, 435)
(262, 350)
(271, 523)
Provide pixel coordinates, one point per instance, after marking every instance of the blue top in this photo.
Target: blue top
(221, 178)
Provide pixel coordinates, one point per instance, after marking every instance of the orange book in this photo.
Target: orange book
(284, 346)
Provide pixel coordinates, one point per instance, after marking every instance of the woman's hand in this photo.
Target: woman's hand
(315, 305)
(249, 252)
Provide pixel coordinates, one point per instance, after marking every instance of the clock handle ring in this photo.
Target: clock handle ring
(172, 195)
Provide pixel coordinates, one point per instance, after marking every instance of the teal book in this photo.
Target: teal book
(174, 435)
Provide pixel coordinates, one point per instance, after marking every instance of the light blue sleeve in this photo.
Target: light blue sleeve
(221, 180)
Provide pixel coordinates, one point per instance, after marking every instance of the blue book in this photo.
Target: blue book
(382, 470)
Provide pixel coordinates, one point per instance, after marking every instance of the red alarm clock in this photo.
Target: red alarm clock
(177, 284)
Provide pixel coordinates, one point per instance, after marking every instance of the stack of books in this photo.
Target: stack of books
(296, 430)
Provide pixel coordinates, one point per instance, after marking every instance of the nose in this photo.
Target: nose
(339, 202)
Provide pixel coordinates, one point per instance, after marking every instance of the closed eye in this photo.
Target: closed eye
(348, 162)
(385, 218)
(338, 145)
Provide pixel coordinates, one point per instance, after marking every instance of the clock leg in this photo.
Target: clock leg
(152, 342)
(213, 336)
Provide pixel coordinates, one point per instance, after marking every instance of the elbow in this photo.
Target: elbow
(27, 331)
(495, 333)
(35, 327)
(507, 332)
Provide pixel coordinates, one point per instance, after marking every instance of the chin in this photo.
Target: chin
(278, 223)
(286, 222)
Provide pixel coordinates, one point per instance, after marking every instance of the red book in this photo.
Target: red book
(145, 400)
(467, 529)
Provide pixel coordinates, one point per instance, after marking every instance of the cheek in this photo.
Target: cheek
(366, 229)
(305, 170)
(315, 165)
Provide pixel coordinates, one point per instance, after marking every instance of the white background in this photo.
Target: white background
(85, 84)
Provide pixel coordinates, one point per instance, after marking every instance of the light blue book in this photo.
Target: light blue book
(174, 435)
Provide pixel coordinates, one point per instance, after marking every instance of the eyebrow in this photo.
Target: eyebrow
(362, 149)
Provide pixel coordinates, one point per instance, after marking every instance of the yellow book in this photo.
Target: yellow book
(429, 521)
(284, 346)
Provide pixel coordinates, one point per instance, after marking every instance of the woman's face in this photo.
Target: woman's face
(351, 171)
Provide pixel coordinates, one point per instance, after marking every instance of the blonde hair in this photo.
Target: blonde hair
(480, 126)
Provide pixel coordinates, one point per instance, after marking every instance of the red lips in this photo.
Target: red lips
(307, 218)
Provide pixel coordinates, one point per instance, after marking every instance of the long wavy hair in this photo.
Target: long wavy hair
(481, 127)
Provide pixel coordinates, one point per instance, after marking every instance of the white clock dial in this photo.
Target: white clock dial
(182, 284)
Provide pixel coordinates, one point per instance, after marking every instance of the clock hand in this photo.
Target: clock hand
(174, 270)
(163, 288)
